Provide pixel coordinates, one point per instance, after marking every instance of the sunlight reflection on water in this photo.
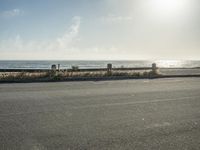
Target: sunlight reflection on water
(170, 63)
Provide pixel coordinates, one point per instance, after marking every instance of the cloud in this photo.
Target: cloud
(69, 35)
(11, 13)
(115, 18)
(63, 47)
(63, 44)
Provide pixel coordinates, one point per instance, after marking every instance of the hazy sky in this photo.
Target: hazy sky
(99, 29)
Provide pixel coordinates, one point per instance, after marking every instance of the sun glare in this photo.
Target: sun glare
(169, 7)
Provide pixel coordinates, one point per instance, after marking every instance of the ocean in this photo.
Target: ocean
(66, 64)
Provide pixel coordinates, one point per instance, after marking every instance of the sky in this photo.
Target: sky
(99, 29)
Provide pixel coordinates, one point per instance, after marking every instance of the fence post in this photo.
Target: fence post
(154, 69)
(109, 69)
(53, 69)
(58, 67)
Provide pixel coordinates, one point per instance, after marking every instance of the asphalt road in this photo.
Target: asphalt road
(160, 114)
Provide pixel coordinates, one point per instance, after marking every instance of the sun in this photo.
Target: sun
(168, 7)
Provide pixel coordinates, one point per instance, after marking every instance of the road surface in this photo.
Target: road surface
(159, 114)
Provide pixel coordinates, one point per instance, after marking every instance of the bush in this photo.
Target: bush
(75, 68)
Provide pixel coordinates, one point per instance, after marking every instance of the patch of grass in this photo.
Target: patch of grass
(10, 76)
(64, 74)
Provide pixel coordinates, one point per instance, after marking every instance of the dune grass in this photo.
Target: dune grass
(64, 75)
(22, 75)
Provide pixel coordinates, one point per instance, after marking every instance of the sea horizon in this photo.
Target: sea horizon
(66, 64)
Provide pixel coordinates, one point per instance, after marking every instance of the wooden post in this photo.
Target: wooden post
(154, 69)
(109, 69)
(53, 69)
(58, 67)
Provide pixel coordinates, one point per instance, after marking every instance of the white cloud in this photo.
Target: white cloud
(11, 13)
(69, 35)
(59, 43)
(115, 18)
(62, 47)
(18, 46)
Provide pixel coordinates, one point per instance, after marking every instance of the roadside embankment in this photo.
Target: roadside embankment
(109, 73)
